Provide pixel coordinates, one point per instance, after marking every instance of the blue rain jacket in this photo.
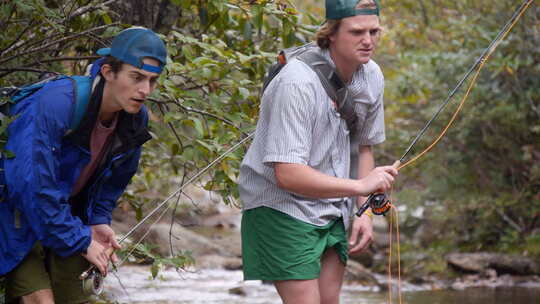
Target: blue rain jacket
(39, 179)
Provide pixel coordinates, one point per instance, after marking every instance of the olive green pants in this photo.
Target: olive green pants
(42, 269)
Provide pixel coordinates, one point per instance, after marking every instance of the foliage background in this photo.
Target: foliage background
(478, 190)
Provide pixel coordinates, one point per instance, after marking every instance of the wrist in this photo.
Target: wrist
(367, 213)
(359, 191)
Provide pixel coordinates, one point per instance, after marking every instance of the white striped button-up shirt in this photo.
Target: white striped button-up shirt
(298, 123)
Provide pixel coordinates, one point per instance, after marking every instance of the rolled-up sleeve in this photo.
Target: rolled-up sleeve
(289, 134)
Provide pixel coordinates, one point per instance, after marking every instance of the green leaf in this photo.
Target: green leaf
(154, 269)
(244, 93)
(138, 214)
(198, 126)
(106, 18)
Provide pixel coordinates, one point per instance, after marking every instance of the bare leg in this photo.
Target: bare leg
(43, 296)
(331, 278)
(298, 291)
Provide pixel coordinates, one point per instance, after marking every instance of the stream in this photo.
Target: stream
(133, 284)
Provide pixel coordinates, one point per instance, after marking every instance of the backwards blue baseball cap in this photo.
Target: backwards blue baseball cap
(134, 44)
(339, 9)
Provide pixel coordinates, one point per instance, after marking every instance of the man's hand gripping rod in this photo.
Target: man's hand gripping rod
(378, 202)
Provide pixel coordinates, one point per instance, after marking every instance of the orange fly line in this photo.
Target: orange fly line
(394, 219)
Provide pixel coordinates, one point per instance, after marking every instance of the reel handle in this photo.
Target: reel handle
(378, 202)
(92, 279)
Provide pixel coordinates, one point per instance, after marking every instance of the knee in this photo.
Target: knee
(330, 299)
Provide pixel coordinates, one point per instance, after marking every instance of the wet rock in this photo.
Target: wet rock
(458, 286)
(489, 274)
(240, 291)
(225, 220)
(358, 273)
(227, 239)
(183, 239)
(365, 258)
(492, 281)
(501, 263)
(233, 264)
(214, 261)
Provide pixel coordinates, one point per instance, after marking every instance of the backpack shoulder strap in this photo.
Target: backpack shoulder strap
(284, 56)
(82, 86)
(333, 85)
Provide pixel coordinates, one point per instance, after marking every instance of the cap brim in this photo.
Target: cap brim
(104, 51)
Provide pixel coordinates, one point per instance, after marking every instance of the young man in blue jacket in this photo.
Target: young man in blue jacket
(61, 189)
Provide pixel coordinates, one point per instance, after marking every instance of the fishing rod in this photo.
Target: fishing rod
(379, 202)
(92, 279)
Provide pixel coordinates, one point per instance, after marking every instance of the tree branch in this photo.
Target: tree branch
(74, 58)
(12, 70)
(160, 105)
(70, 37)
(507, 219)
(7, 49)
(88, 8)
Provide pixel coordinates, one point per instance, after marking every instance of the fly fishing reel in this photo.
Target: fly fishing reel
(92, 281)
(378, 202)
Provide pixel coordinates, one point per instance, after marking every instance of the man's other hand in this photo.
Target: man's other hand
(105, 236)
(361, 234)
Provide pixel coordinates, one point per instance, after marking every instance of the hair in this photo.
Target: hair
(329, 28)
(116, 64)
(366, 4)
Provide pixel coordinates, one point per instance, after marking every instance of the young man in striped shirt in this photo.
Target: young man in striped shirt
(295, 181)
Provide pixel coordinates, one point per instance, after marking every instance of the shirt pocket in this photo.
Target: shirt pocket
(339, 146)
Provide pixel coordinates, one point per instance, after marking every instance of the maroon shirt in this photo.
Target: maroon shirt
(99, 142)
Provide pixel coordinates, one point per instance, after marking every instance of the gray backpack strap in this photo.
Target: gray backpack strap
(333, 85)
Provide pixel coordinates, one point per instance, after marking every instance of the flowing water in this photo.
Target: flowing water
(133, 284)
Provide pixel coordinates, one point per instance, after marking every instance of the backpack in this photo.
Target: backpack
(82, 87)
(330, 80)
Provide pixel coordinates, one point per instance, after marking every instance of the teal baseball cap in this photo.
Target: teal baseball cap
(134, 44)
(339, 9)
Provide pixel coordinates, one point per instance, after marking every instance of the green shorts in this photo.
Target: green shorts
(276, 246)
(42, 269)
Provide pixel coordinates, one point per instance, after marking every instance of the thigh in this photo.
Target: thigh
(298, 291)
(29, 276)
(65, 282)
(331, 278)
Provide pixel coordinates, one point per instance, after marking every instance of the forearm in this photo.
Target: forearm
(306, 181)
(366, 163)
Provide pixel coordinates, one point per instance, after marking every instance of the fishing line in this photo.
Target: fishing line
(478, 65)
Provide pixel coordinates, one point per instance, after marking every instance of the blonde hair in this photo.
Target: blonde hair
(366, 4)
(329, 28)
